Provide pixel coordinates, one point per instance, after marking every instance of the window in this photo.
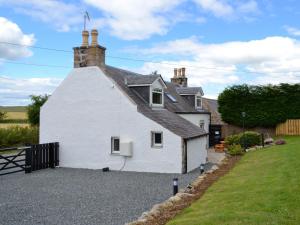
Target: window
(201, 124)
(171, 97)
(157, 96)
(156, 139)
(115, 145)
(198, 102)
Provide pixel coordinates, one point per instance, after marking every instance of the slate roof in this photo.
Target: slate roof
(212, 105)
(189, 90)
(141, 79)
(167, 116)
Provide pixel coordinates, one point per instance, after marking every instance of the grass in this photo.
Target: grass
(263, 189)
(6, 125)
(13, 108)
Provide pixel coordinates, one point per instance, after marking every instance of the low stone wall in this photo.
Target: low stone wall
(161, 213)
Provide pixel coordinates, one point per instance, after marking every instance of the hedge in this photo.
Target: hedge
(265, 106)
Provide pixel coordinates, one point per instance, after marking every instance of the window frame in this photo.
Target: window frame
(153, 143)
(202, 122)
(157, 91)
(113, 151)
(196, 105)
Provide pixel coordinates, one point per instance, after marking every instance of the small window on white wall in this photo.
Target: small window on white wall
(202, 124)
(156, 139)
(115, 145)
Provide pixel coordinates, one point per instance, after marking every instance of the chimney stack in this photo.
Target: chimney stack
(94, 34)
(89, 55)
(179, 77)
(85, 39)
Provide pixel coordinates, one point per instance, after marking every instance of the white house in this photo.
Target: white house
(108, 117)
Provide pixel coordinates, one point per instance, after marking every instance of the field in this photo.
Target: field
(15, 116)
(262, 189)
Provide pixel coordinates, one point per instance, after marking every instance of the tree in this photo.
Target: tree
(265, 106)
(33, 110)
(2, 115)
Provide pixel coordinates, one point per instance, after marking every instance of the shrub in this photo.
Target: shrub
(33, 110)
(248, 139)
(2, 115)
(235, 149)
(17, 136)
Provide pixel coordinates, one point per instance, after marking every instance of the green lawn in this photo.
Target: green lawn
(263, 188)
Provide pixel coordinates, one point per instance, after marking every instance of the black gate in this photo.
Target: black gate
(29, 158)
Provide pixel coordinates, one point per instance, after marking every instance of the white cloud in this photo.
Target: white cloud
(136, 19)
(17, 91)
(269, 60)
(62, 16)
(10, 32)
(229, 9)
(292, 30)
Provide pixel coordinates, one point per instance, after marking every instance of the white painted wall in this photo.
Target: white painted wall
(195, 119)
(196, 152)
(86, 110)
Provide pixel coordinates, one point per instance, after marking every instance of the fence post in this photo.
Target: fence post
(51, 155)
(263, 140)
(28, 160)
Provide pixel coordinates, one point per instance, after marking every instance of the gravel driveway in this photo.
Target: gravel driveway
(80, 196)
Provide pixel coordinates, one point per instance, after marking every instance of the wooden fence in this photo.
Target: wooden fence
(290, 127)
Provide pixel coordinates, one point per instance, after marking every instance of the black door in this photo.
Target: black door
(214, 134)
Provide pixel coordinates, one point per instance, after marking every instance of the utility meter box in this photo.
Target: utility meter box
(126, 149)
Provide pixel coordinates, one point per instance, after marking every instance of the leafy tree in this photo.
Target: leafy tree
(2, 115)
(265, 106)
(33, 109)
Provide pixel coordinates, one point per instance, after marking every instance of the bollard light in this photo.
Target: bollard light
(175, 186)
(201, 168)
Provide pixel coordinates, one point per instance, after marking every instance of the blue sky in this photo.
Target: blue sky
(220, 42)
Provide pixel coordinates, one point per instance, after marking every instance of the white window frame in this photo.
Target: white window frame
(202, 124)
(160, 91)
(153, 144)
(197, 106)
(113, 151)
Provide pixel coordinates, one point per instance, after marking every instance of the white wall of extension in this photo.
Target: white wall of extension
(195, 119)
(87, 109)
(196, 152)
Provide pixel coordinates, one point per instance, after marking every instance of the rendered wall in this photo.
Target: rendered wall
(196, 152)
(86, 110)
(195, 119)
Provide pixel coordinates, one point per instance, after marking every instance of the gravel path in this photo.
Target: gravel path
(79, 196)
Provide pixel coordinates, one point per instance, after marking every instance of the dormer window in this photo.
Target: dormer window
(198, 102)
(157, 97)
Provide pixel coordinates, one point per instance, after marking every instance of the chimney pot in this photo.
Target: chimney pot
(94, 34)
(85, 38)
(175, 72)
(179, 72)
(183, 72)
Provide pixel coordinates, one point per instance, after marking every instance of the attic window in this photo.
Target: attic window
(157, 96)
(171, 97)
(198, 102)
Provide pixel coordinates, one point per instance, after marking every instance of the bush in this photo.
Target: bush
(265, 106)
(2, 115)
(17, 136)
(248, 139)
(33, 110)
(235, 149)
